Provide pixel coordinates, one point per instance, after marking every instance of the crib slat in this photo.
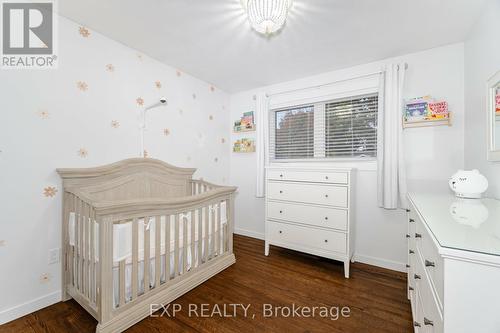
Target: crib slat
(230, 223)
(193, 225)
(167, 247)
(200, 235)
(146, 254)
(135, 257)
(121, 269)
(218, 232)
(206, 217)
(86, 269)
(72, 248)
(176, 248)
(184, 243)
(92, 256)
(212, 236)
(80, 245)
(157, 251)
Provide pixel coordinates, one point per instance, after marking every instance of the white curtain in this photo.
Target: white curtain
(390, 152)
(261, 116)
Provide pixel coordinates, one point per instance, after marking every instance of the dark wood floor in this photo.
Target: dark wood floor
(376, 298)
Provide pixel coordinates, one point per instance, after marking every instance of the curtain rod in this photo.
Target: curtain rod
(329, 83)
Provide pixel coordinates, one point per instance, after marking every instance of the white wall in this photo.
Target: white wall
(432, 154)
(32, 147)
(482, 60)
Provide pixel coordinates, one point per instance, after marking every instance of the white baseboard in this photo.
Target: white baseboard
(249, 233)
(29, 307)
(379, 262)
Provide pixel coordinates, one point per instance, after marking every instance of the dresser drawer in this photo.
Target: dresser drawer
(306, 237)
(432, 261)
(432, 320)
(308, 193)
(312, 215)
(318, 176)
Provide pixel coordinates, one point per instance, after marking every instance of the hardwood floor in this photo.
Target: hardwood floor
(376, 298)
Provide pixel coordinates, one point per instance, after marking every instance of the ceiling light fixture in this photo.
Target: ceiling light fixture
(267, 16)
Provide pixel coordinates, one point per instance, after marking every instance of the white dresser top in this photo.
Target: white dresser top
(462, 224)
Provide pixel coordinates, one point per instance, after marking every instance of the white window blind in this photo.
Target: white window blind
(343, 128)
(351, 127)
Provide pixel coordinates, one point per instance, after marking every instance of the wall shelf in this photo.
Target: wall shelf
(428, 122)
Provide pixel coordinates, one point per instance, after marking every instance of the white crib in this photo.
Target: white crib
(140, 232)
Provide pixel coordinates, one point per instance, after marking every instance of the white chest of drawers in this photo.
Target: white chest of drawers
(310, 210)
(454, 263)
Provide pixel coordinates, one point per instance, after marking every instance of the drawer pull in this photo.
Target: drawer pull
(411, 251)
(326, 195)
(416, 324)
(326, 217)
(417, 235)
(281, 212)
(326, 177)
(407, 266)
(410, 288)
(281, 176)
(281, 191)
(417, 277)
(412, 220)
(281, 232)
(428, 322)
(408, 236)
(407, 210)
(429, 263)
(326, 240)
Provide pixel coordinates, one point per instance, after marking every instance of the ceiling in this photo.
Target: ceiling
(212, 40)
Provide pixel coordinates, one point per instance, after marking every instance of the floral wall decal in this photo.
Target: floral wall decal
(115, 123)
(158, 84)
(139, 56)
(82, 85)
(82, 152)
(139, 101)
(44, 114)
(178, 73)
(210, 117)
(49, 191)
(110, 68)
(222, 140)
(181, 111)
(166, 132)
(194, 96)
(216, 159)
(84, 32)
(212, 88)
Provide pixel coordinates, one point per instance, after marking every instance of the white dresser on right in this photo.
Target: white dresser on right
(454, 263)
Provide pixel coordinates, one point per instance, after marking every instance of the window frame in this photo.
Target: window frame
(367, 163)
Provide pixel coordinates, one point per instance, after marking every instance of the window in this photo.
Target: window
(343, 128)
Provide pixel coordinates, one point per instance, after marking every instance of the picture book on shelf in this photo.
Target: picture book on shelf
(244, 145)
(245, 123)
(425, 108)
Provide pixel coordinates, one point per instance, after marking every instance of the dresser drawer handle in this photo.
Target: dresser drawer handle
(326, 177)
(429, 263)
(407, 210)
(412, 220)
(326, 217)
(326, 240)
(408, 266)
(408, 236)
(417, 277)
(281, 232)
(281, 191)
(411, 251)
(416, 324)
(326, 195)
(281, 212)
(281, 176)
(428, 322)
(417, 235)
(410, 288)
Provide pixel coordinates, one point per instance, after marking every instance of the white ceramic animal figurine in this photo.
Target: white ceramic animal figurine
(468, 184)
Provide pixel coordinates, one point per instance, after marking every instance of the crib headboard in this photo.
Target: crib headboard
(133, 178)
